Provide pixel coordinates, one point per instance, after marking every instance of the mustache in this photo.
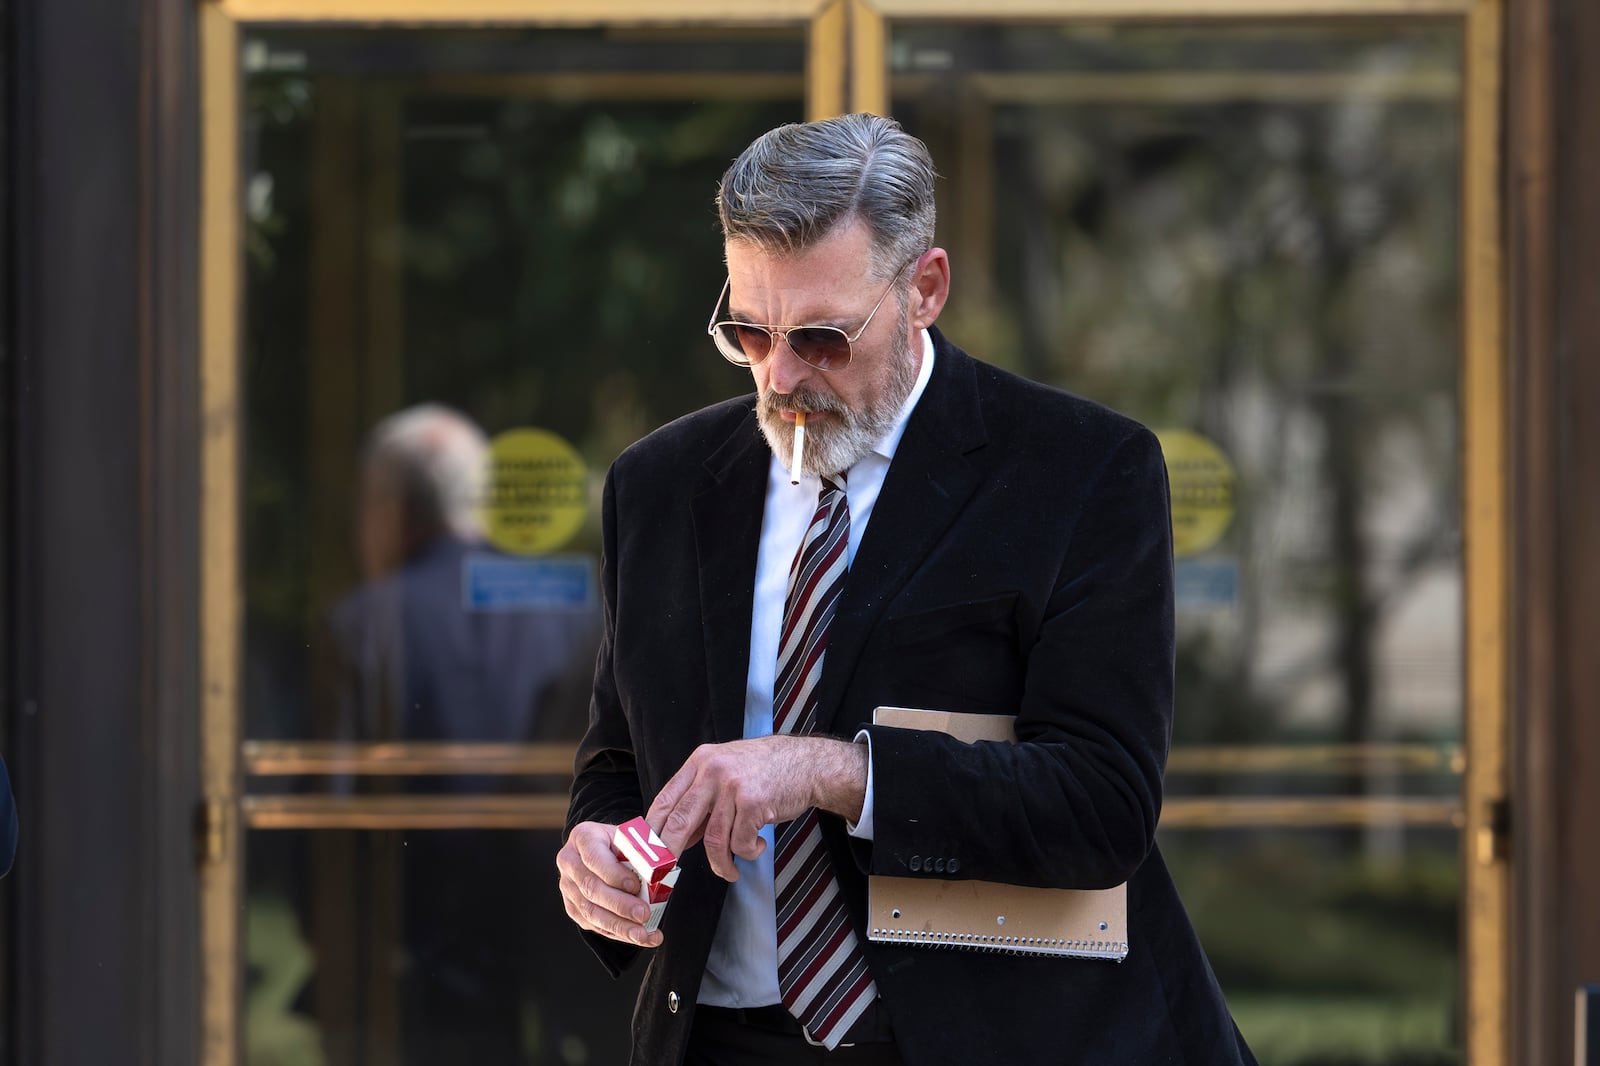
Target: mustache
(802, 401)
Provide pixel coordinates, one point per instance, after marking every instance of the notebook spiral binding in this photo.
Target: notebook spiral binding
(1010, 945)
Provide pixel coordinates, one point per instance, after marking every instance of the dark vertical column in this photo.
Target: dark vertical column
(1553, 172)
(1577, 355)
(169, 244)
(1535, 742)
(8, 513)
(84, 789)
(105, 208)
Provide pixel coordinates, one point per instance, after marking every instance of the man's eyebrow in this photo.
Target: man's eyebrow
(825, 320)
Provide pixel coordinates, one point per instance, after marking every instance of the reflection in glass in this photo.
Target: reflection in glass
(1326, 959)
(419, 651)
(420, 947)
(516, 224)
(1246, 237)
(455, 238)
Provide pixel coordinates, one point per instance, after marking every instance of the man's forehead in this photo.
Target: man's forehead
(795, 304)
(816, 285)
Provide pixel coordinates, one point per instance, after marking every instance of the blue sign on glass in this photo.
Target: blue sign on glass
(546, 582)
(1203, 583)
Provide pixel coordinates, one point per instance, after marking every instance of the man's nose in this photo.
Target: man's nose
(785, 370)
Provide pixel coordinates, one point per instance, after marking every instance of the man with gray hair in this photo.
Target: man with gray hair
(909, 527)
(422, 473)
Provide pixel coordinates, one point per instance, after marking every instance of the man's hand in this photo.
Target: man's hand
(725, 793)
(600, 891)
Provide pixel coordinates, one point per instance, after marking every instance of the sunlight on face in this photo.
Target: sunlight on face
(849, 410)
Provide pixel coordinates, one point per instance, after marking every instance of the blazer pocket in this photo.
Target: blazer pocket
(992, 613)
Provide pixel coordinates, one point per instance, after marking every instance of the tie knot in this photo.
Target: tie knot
(833, 483)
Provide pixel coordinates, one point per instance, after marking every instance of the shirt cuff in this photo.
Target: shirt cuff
(862, 830)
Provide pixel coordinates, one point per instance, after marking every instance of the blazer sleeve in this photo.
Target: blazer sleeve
(1074, 803)
(605, 785)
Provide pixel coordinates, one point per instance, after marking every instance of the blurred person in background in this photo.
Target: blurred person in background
(421, 664)
(414, 660)
(8, 822)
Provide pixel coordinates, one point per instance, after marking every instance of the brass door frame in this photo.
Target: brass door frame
(847, 69)
(221, 575)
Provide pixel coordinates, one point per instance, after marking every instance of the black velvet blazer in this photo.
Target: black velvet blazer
(1018, 561)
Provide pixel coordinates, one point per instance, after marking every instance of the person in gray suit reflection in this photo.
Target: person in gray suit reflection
(8, 822)
(416, 660)
(426, 664)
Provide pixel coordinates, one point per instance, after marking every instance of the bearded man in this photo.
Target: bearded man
(943, 535)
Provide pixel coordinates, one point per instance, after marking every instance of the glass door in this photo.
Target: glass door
(472, 265)
(435, 251)
(1256, 238)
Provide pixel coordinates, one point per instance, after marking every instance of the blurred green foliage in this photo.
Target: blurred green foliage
(1328, 957)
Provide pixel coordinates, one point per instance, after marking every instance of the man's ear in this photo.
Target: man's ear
(931, 286)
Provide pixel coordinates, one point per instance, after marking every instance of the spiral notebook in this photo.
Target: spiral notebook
(984, 915)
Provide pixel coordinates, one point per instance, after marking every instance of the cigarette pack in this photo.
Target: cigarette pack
(637, 845)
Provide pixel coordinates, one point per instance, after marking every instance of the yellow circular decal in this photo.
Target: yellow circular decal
(535, 494)
(1202, 490)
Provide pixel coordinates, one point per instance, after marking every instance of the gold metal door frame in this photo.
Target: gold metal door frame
(221, 575)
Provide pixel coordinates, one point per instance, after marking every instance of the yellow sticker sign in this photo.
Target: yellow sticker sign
(1202, 490)
(536, 492)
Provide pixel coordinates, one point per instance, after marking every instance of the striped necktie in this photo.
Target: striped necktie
(822, 973)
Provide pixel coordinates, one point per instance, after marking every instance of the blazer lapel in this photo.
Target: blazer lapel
(727, 515)
(929, 482)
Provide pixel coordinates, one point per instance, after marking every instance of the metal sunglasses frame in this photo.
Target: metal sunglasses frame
(736, 355)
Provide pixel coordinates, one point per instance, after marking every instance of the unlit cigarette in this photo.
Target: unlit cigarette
(799, 446)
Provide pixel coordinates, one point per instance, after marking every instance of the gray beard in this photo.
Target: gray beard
(851, 435)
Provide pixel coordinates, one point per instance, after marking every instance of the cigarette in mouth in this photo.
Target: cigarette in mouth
(799, 446)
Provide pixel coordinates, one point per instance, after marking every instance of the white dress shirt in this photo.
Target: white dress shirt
(742, 970)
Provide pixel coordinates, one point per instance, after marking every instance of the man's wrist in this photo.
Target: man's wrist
(839, 777)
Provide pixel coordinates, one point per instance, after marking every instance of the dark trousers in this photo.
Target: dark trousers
(767, 1036)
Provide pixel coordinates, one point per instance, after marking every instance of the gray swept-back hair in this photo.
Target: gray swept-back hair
(796, 183)
(435, 458)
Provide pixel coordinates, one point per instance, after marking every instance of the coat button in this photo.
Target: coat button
(953, 865)
(938, 866)
(672, 1002)
(916, 863)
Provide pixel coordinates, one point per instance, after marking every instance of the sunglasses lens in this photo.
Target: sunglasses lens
(823, 347)
(743, 344)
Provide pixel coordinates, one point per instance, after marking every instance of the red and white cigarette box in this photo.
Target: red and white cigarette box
(637, 845)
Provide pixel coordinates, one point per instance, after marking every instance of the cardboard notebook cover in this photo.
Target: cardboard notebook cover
(985, 915)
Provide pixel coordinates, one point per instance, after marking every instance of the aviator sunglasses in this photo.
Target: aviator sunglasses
(824, 347)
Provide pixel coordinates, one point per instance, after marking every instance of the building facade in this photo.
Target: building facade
(288, 799)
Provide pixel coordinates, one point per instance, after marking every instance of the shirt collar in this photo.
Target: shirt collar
(891, 440)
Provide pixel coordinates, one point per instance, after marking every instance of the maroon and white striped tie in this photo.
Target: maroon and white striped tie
(822, 973)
